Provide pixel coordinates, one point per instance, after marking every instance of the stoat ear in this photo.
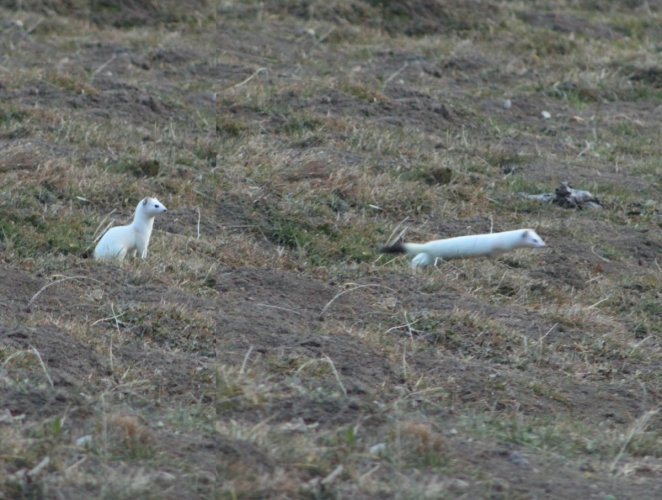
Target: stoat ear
(145, 201)
(525, 234)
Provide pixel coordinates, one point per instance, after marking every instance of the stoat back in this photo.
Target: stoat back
(133, 238)
(482, 245)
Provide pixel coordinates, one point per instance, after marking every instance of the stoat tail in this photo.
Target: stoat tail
(397, 247)
(400, 247)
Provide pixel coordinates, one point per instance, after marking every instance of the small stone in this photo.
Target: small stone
(378, 449)
(458, 485)
(546, 115)
(84, 441)
(163, 478)
(518, 459)
(507, 104)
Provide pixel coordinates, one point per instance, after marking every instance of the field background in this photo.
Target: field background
(265, 349)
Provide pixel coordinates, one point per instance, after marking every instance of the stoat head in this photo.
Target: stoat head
(151, 207)
(531, 239)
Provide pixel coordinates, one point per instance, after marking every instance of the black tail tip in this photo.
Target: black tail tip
(397, 247)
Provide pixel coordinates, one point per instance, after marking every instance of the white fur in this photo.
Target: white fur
(120, 240)
(475, 245)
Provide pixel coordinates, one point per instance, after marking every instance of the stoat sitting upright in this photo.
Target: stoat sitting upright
(462, 247)
(120, 240)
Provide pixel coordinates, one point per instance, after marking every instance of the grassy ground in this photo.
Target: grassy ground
(265, 349)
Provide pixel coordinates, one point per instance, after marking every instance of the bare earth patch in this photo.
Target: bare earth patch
(265, 349)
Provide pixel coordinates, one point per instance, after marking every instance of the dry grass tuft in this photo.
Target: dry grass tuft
(264, 348)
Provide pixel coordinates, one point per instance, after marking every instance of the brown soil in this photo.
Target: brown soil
(156, 361)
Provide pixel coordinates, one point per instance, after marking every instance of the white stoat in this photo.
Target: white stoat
(462, 247)
(120, 240)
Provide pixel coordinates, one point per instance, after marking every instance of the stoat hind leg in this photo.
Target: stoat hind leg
(121, 253)
(421, 260)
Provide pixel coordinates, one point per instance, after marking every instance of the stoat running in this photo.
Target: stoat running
(462, 247)
(120, 240)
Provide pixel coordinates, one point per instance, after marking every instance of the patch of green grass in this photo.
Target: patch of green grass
(51, 430)
(633, 27)
(138, 167)
(298, 125)
(11, 115)
(10, 232)
(206, 151)
(416, 445)
(25, 489)
(66, 236)
(29, 232)
(431, 175)
(230, 127)
(157, 323)
(363, 92)
(523, 184)
(288, 230)
(193, 417)
(312, 232)
(577, 95)
(503, 157)
(229, 393)
(570, 439)
(545, 43)
(71, 84)
(347, 438)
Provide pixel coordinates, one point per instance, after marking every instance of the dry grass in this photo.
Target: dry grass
(264, 349)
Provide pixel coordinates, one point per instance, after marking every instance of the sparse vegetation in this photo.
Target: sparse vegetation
(264, 349)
